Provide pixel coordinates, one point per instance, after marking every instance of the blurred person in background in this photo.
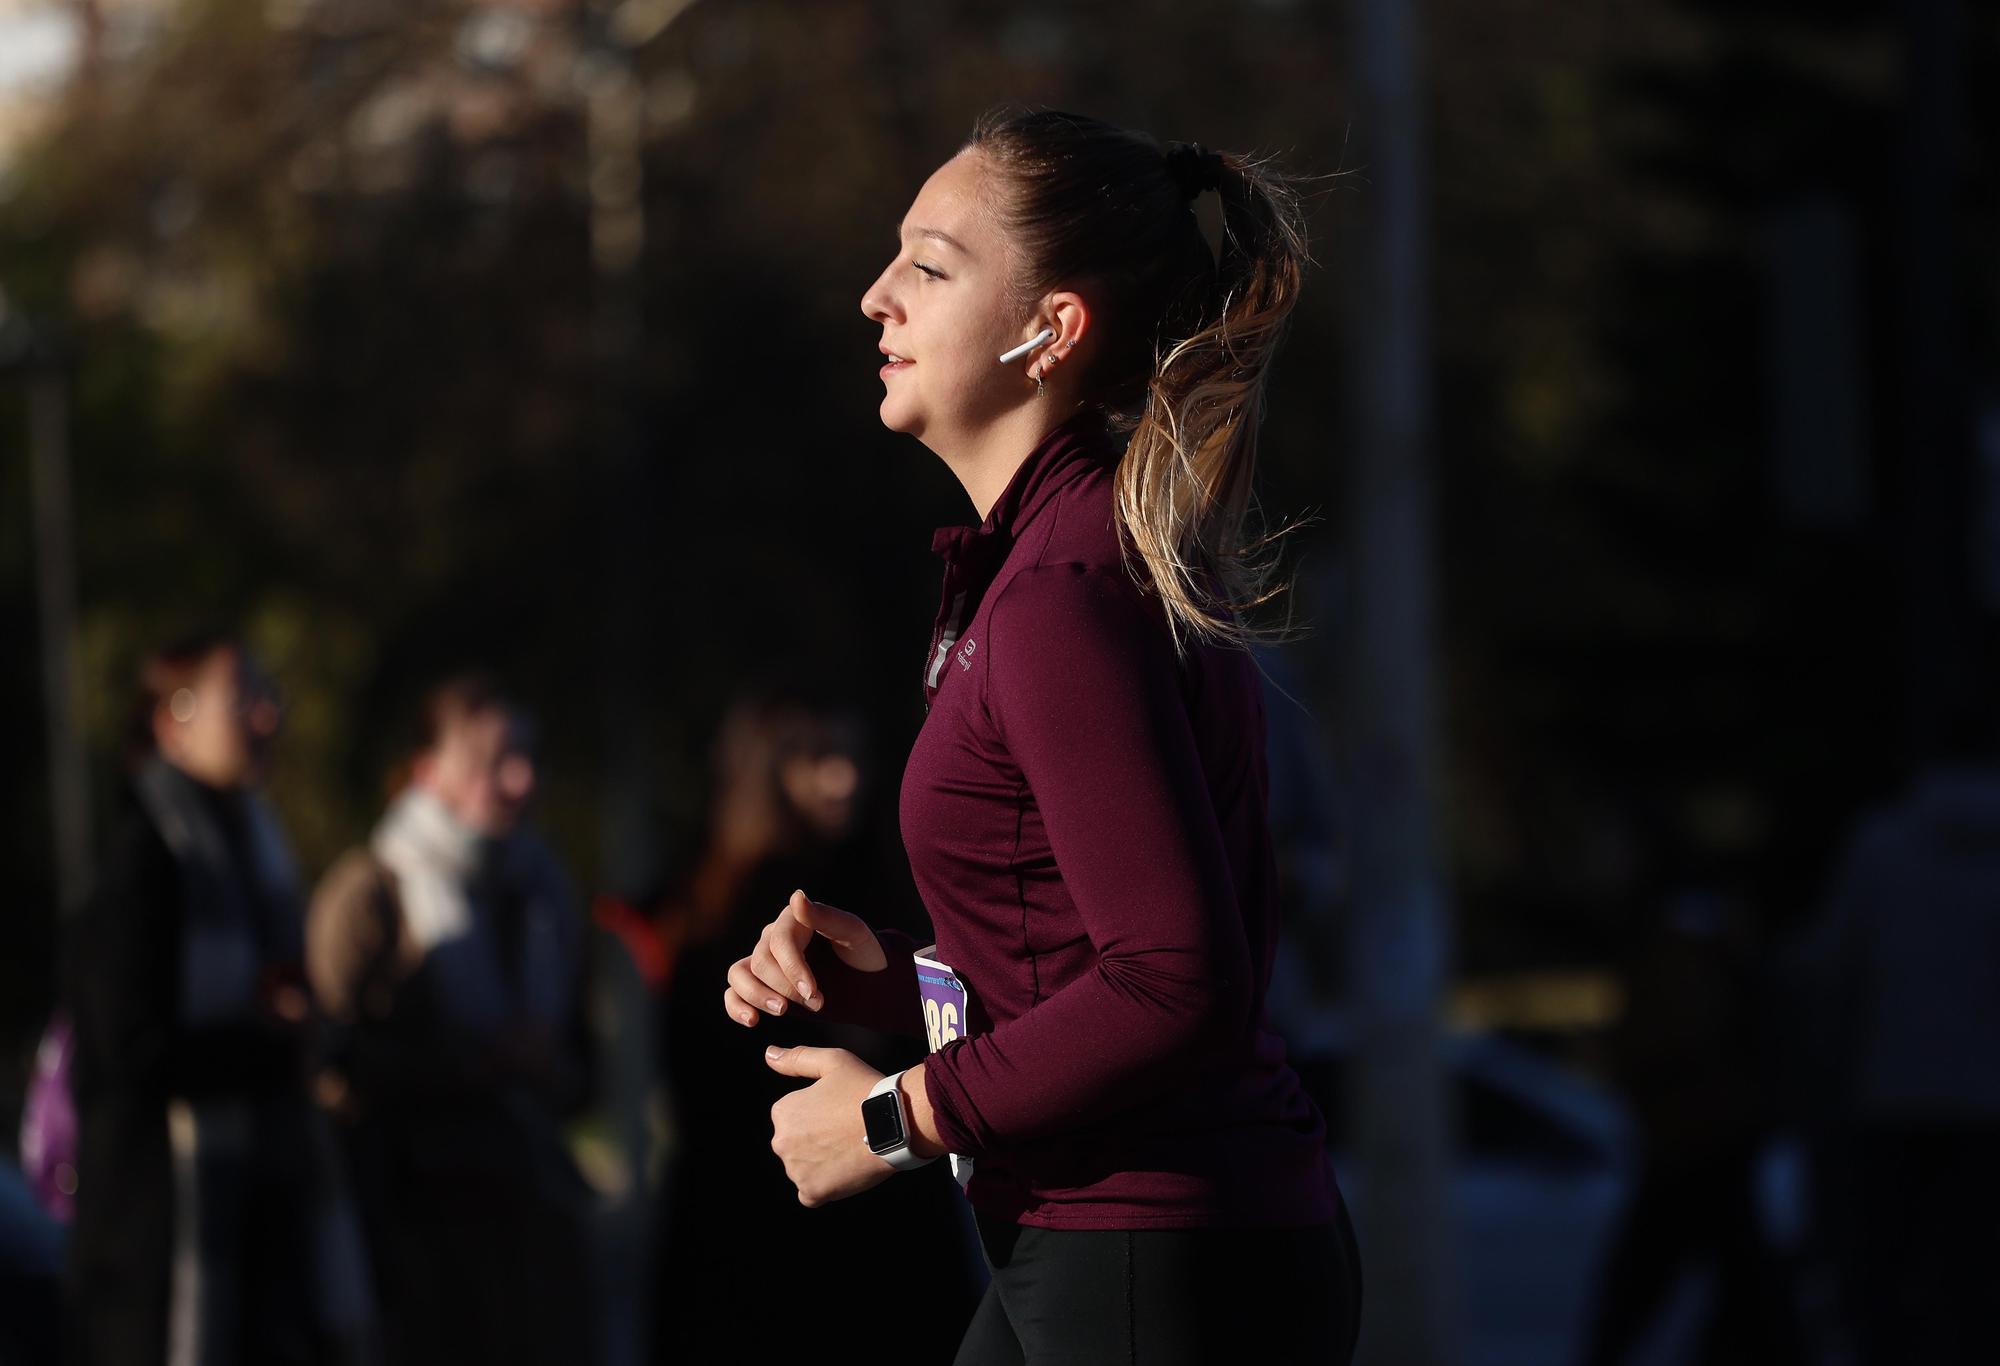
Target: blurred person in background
(620, 1140)
(1694, 1061)
(450, 953)
(789, 789)
(1086, 805)
(207, 1216)
(1898, 984)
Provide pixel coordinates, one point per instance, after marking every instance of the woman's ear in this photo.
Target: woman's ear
(1071, 312)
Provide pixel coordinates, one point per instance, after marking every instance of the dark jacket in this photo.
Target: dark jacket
(182, 1074)
(451, 966)
(1085, 816)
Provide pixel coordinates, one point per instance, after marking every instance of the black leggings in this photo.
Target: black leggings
(1167, 1297)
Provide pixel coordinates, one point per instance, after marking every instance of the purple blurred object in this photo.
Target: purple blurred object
(48, 1122)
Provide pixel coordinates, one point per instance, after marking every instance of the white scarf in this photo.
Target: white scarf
(446, 878)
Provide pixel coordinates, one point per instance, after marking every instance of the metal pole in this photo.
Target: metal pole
(615, 109)
(619, 121)
(69, 784)
(1938, 611)
(1400, 921)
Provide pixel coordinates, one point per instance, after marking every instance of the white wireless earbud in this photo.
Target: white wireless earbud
(1042, 338)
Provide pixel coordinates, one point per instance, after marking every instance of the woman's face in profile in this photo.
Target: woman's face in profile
(946, 313)
(219, 728)
(483, 769)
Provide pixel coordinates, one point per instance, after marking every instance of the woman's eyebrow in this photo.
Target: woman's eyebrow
(938, 235)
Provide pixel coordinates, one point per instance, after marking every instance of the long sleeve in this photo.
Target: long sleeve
(125, 974)
(121, 964)
(1085, 689)
(123, 968)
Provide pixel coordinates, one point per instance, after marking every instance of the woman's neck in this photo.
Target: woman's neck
(986, 462)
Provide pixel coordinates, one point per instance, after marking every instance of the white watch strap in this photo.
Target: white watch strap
(901, 1158)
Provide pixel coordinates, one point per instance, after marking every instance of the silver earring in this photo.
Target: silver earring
(1041, 390)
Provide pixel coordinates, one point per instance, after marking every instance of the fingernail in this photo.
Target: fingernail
(774, 1005)
(773, 1051)
(806, 991)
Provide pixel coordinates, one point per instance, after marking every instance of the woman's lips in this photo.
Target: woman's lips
(896, 363)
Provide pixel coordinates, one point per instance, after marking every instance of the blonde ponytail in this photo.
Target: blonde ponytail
(1185, 345)
(1185, 482)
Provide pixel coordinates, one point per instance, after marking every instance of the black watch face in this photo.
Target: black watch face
(883, 1117)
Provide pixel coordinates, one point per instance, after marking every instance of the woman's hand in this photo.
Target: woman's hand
(818, 1131)
(775, 972)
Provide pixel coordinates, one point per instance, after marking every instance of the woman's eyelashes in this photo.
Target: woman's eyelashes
(931, 272)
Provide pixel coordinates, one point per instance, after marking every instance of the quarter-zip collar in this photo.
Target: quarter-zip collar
(972, 555)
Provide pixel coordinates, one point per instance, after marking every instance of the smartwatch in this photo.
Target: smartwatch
(888, 1125)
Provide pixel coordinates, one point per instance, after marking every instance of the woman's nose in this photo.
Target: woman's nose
(517, 777)
(877, 303)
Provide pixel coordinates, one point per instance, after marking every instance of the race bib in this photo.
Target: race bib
(947, 1015)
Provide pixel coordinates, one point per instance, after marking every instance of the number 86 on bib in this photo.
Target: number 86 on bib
(941, 1022)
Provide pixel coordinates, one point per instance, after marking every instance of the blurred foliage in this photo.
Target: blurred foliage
(344, 373)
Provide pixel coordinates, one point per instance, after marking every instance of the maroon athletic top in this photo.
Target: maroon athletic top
(1085, 820)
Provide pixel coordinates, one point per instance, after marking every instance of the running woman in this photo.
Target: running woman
(1085, 805)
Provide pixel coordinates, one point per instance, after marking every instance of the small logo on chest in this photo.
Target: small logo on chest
(966, 652)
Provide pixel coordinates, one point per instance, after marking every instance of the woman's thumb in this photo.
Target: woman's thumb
(850, 935)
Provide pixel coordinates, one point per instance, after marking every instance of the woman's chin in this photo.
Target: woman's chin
(897, 418)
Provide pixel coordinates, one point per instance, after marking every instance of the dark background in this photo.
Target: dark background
(1717, 330)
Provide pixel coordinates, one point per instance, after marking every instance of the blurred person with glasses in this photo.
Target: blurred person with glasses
(209, 1223)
